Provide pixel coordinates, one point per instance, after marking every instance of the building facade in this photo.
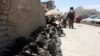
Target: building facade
(48, 4)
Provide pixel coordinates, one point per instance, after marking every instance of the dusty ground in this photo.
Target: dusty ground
(82, 41)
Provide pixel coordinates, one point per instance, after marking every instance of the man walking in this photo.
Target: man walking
(70, 16)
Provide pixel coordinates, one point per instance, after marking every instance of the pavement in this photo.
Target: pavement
(84, 40)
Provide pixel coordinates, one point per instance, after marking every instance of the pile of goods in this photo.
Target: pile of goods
(44, 41)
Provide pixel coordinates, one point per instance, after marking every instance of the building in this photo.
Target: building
(19, 18)
(48, 4)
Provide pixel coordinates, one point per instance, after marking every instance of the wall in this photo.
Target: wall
(21, 17)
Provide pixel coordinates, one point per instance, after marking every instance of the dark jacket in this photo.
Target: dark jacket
(71, 14)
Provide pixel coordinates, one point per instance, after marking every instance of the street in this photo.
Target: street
(84, 40)
(38, 28)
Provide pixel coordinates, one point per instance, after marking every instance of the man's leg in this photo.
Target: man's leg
(72, 24)
(69, 23)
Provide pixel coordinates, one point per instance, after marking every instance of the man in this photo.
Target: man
(70, 16)
(63, 22)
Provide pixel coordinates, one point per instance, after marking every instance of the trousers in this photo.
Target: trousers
(71, 23)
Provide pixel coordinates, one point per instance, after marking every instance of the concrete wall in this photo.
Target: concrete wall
(22, 17)
(27, 14)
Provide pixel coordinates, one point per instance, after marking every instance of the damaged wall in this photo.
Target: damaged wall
(20, 18)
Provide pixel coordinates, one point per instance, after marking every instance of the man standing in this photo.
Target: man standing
(70, 16)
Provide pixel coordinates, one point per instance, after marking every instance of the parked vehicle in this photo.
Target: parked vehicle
(78, 19)
(89, 19)
(97, 20)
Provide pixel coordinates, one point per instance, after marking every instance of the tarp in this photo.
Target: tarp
(53, 12)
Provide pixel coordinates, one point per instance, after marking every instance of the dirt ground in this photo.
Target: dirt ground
(84, 40)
